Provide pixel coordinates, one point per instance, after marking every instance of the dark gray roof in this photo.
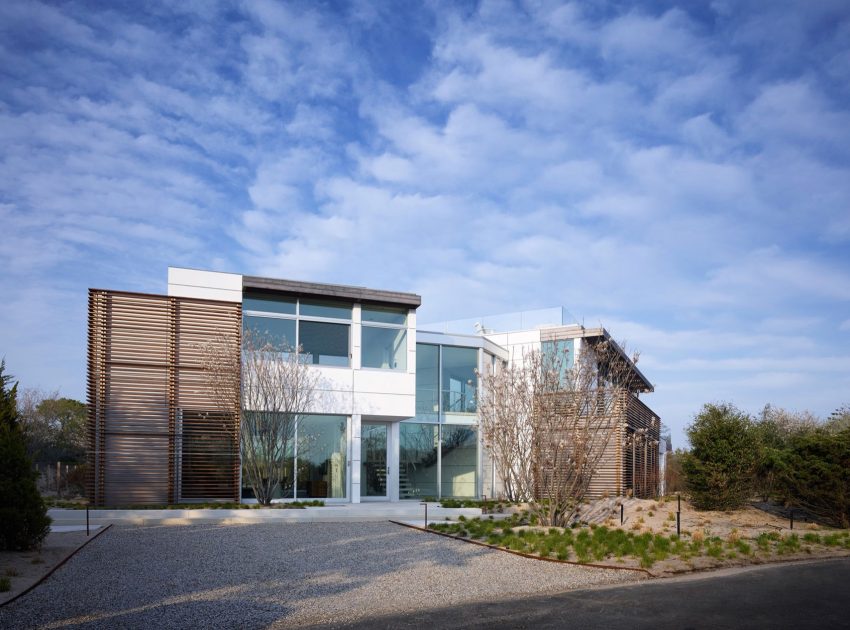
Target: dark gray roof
(340, 291)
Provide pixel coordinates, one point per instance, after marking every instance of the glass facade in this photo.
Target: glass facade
(287, 323)
(373, 460)
(427, 382)
(321, 457)
(266, 423)
(438, 449)
(418, 460)
(446, 404)
(458, 379)
(384, 348)
(318, 469)
(458, 461)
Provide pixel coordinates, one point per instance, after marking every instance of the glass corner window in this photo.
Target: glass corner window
(384, 348)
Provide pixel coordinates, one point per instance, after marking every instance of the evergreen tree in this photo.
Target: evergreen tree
(23, 516)
(721, 465)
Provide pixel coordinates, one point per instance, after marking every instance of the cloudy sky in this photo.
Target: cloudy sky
(679, 174)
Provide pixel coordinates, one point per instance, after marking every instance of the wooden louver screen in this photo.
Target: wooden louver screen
(155, 433)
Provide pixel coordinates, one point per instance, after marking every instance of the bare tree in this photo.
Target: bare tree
(548, 420)
(274, 386)
(505, 409)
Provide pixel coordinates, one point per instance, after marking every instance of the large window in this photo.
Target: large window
(418, 460)
(559, 355)
(427, 382)
(315, 465)
(383, 338)
(264, 330)
(321, 328)
(321, 457)
(446, 403)
(459, 379)
(323, 343)
(459, 461)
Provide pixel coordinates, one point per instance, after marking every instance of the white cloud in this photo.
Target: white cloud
(685, 176)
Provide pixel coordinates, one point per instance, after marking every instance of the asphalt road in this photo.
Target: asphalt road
(798, 595)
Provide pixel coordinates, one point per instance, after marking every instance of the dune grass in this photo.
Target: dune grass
(603, 545)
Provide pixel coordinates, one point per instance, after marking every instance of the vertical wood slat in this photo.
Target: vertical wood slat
(144, 375)
(172, 396)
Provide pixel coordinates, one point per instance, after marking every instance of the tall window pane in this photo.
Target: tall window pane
(459, 379)
(559, 355)
(459, 453)
(384, 315)
(417, 473)
(324, 344)
(322, 457)
(384, 348)
(278, 332)
(427, 383)
(268, 303)
(286, 487)
(337, 310)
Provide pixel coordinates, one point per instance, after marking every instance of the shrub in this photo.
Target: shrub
(23, 516)
(5, 585)
(815, 473)
(720, 466)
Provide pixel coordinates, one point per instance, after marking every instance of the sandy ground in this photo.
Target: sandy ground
(24, 568)
(648, 515)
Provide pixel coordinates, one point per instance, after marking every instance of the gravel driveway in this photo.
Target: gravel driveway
(279, 575)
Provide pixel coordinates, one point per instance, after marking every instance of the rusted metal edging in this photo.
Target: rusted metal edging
(53, 570)
(520, 553)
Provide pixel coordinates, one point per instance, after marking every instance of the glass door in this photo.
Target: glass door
(373, 460)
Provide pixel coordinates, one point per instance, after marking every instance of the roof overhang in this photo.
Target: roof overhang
(332, 291)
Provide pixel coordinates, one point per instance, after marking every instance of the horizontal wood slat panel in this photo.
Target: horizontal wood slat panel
(155, 434)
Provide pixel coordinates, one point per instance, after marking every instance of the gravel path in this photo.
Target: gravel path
(279, 575)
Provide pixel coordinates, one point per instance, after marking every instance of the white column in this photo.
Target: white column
(355, 458)
(411, 341)
(355, 337)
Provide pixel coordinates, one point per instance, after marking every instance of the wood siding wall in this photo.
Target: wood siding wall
(640, 457)
(155, 434)
(629, 464)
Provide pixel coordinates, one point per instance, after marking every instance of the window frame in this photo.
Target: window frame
(298, 317)
(385, 325)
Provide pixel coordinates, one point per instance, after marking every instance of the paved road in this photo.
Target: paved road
(800, 595)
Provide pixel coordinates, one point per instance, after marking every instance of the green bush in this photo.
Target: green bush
(5, 585)
(815, 472)
(719, 468)
(23, 516)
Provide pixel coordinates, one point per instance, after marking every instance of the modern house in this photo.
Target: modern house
(394, 418)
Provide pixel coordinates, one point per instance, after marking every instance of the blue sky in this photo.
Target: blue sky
(677, 173)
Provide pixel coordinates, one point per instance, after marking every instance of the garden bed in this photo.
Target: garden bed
(658, 553)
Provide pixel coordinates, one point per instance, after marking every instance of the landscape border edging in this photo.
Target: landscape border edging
(55, 567)
(520, 553)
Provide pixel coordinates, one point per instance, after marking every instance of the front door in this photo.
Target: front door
(373, 460)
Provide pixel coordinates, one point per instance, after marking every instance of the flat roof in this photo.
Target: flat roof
(339, 291)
